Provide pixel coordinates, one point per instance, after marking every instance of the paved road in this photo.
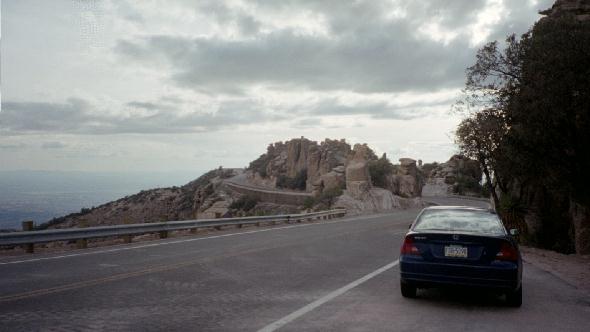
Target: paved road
(339, 275)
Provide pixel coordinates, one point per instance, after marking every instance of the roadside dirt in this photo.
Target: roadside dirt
(573, 269)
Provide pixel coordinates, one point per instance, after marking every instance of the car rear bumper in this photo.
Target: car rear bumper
(504, 276)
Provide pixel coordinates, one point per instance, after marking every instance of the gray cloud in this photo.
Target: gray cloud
(12, 146)
(371, 63)
(148, 105)
(366, 50)
(78, 116)
(378, 110)
(53, 145)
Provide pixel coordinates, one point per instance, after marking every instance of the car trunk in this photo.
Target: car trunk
(457, 248)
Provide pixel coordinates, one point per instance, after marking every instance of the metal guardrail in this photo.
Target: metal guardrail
(28, 238)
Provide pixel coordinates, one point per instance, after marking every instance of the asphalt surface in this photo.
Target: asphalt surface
(337, 275)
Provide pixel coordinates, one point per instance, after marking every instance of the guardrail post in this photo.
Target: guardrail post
(27, 227)
(163, 234)
(194, 230)
(81, 243)
(127, 238)
(217, 216)
(240, 225)
(258, 224)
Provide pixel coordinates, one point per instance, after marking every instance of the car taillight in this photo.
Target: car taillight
(408, 248)
(507, 252)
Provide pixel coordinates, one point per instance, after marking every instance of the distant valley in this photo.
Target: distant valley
(43, 195)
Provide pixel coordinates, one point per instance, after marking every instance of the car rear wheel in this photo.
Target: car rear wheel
(408, 290)
(514, 298)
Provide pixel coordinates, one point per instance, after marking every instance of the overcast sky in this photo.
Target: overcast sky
(126, 85)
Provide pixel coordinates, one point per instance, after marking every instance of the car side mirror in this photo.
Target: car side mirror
(514, 232)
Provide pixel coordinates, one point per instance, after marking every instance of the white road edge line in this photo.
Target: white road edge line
(313, 305)
(181, 241)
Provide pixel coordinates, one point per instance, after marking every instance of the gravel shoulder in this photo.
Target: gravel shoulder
(573, 269)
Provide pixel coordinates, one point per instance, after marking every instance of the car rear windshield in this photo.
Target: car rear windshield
(457, 220)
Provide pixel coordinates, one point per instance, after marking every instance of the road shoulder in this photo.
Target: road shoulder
(573, 269)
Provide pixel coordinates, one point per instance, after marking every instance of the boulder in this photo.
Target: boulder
(358, 178)
(408, 167)
(375, 200)
(407, 182)
(332, 180)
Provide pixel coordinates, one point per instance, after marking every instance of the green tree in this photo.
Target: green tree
(480, 137)
(528, 124)
(379, 169)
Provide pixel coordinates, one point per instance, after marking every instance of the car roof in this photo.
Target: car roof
(459, 207)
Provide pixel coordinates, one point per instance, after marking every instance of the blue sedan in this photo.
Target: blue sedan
(461, 246)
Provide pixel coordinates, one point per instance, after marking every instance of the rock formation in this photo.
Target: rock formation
(291, 158)
(358, 179)
(448, 176)
(580, 9)
(408, 180)
(456, 167)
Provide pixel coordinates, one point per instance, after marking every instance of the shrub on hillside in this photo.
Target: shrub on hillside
(296, 183)
(467, 184)
(329, 196)
(379, 169)
(428, 168)
(245, 203)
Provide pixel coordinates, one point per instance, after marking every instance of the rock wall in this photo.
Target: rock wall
(294, 156)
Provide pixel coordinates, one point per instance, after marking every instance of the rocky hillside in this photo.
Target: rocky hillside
(305, 165)
(290, 177)
(161, 204)
(337, 174)
(459, 175)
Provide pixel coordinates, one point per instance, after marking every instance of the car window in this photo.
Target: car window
(460, 220)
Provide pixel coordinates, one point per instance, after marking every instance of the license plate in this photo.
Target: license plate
(456, 251)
